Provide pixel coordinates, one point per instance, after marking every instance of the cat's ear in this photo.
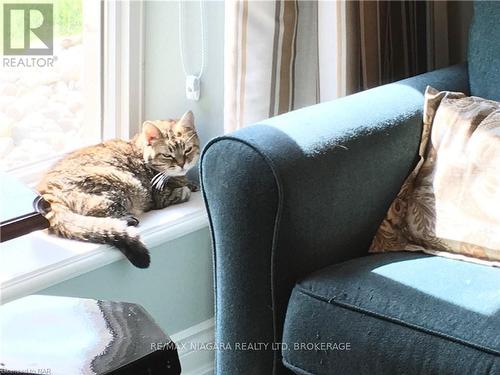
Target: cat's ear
(151, 132)
(187, 120)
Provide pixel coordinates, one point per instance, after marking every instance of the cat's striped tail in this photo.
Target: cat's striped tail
(103, 230)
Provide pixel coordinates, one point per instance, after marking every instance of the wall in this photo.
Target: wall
(177, 289)
(164, 79)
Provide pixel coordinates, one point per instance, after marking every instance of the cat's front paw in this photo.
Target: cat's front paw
(193, 186)
(185, 194)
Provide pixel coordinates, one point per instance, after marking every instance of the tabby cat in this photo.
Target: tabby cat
(95, 193)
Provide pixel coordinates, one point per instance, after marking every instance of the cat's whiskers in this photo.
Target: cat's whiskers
(164, 179)
(159, 180)
(156, 178)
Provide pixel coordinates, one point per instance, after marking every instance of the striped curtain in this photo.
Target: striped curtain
(283, 55)
(392, 40)
(270, 59)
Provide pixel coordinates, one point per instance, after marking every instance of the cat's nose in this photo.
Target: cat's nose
(180, 162)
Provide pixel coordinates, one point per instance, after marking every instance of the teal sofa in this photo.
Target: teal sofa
(294, 203)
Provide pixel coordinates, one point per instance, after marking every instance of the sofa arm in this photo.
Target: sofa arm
(298, 192)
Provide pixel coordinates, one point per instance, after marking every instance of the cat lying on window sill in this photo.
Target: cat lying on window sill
(97, 192)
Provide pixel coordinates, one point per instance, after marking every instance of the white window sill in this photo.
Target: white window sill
(38, 260)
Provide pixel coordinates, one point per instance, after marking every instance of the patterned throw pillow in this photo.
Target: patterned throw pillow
(450, 204)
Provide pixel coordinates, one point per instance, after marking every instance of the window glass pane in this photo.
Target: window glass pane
(49, 103)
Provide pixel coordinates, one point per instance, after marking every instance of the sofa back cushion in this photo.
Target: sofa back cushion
(449, 205)
(484, 50)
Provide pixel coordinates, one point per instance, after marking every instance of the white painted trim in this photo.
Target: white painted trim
(123, 68)
(208, 369)
(66, 259)
(136, 66)
(111, 69)
(191, 344)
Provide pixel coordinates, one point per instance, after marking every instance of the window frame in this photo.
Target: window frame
(121, 84)
(123, 69)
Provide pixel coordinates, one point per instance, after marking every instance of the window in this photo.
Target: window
(80, 93)
(50, 104)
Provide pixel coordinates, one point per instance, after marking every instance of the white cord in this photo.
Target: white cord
(203, 41)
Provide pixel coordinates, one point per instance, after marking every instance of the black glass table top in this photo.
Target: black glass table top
(72, 336)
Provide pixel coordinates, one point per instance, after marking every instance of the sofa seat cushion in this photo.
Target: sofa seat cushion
(395, 313)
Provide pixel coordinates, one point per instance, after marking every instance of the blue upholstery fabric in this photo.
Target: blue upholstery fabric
(299, 192)
(484, 50)
(408, 312)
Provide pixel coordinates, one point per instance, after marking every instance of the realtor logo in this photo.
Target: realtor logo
(43, 31)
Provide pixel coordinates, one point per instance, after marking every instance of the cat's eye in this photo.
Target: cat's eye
(165, 156)
(188, 150)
